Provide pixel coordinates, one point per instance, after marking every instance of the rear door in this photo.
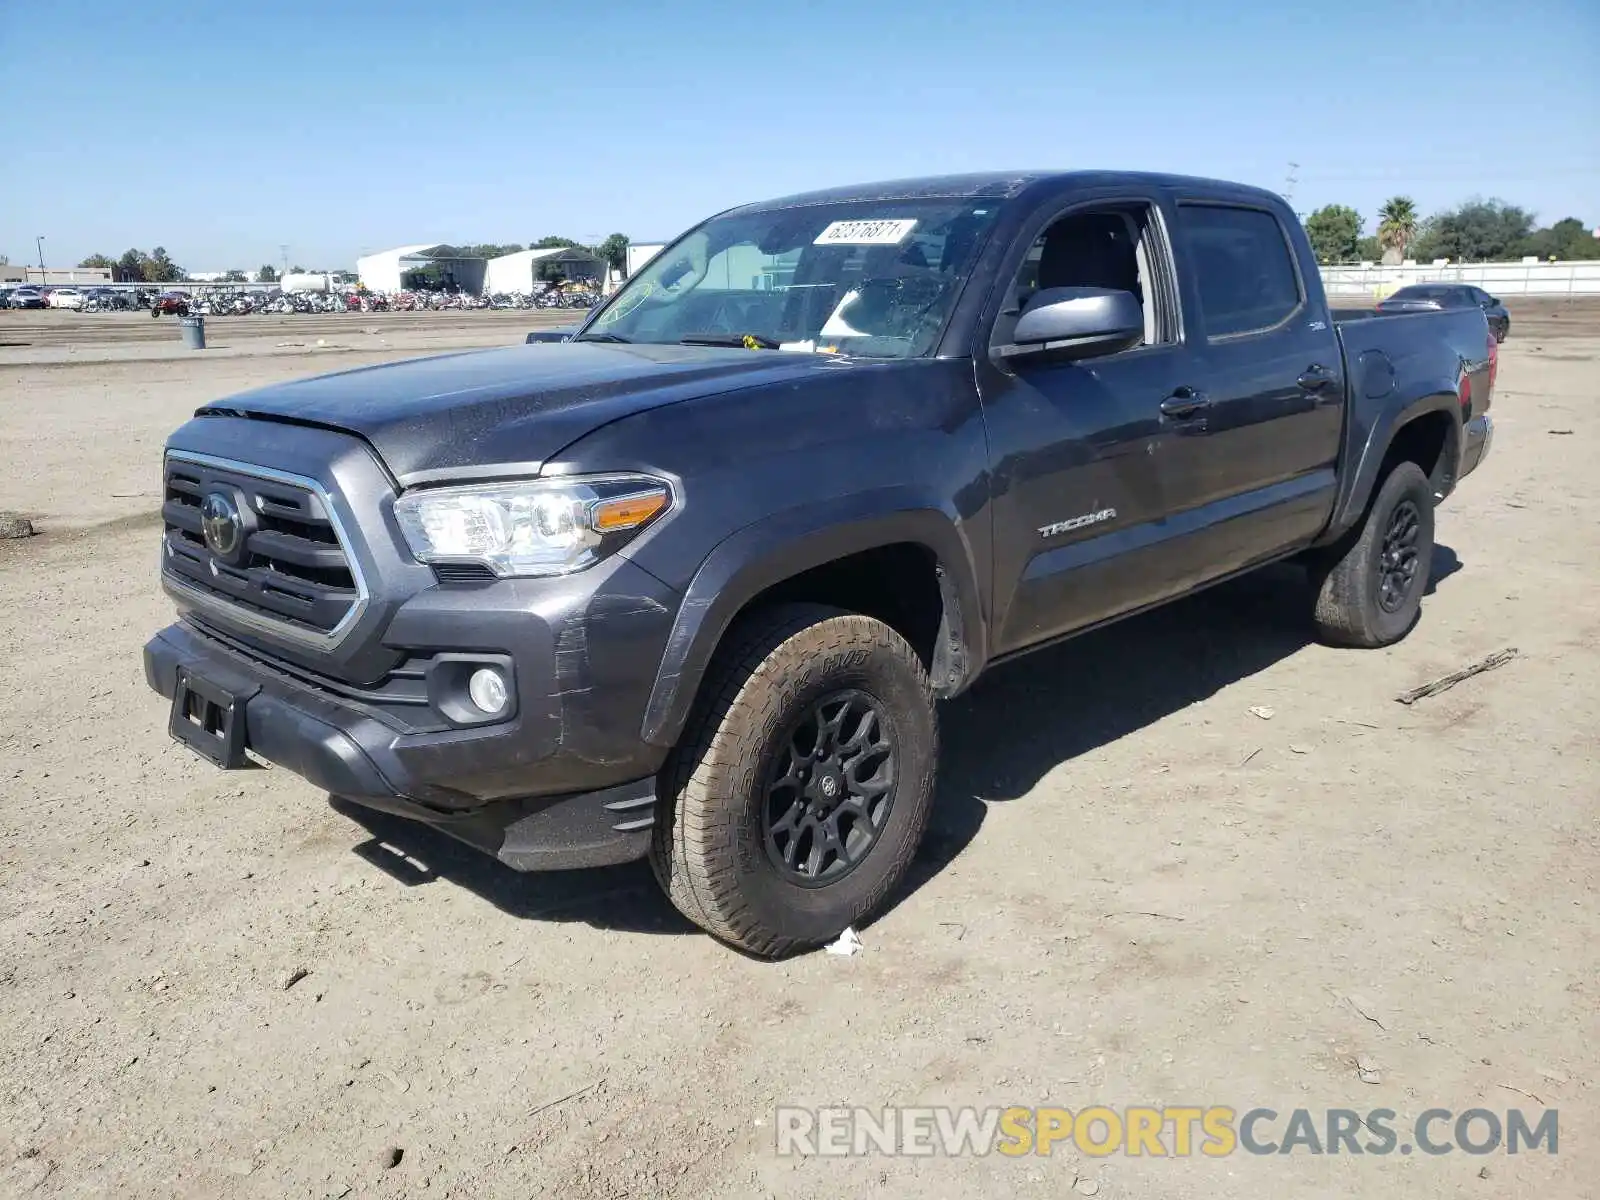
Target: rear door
(1257, 476)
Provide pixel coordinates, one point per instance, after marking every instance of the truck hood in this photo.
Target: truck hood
(464, 414)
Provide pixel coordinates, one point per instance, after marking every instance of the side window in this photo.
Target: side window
(1109, 248)
(1243, 266)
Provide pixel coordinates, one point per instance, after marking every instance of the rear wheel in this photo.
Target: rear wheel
(1369, 588)
(802, 787)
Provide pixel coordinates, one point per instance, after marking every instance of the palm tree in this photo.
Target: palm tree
(1397, 224)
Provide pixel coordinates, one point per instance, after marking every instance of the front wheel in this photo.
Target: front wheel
(1369, 588)
(802, 787)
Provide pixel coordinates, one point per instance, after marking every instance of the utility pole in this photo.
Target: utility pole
(1289, 181)
(283, 249)
(39, 243)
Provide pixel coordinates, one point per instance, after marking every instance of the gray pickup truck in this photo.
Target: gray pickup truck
(688, 582)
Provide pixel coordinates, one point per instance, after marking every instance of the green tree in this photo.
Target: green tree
(130, 267)
(553, 243)
(1397, 224)
(235, 276)
(1369, 249)
(159, 268)
(488, 249)
(267, 274)
(1477, 231)
(614, 250)
(1567, 239)
(1335, 232)
(99, 260)
(1582, 249)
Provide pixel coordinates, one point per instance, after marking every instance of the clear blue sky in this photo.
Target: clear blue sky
(343, 126)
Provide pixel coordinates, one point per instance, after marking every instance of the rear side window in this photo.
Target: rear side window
(1243, 267)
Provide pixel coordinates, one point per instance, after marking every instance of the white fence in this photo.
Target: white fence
(1498, 279)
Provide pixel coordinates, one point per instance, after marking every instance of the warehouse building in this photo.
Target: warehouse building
(640, 253)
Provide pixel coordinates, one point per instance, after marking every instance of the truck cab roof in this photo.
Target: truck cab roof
(1005, 185)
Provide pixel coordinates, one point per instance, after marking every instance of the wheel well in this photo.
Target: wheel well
(901, 585)
(1425, 441)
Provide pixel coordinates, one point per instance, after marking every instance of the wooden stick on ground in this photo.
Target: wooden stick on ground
(1443, 684)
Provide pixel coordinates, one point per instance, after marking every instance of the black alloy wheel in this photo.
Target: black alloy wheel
(830, 789)
(1397, 573)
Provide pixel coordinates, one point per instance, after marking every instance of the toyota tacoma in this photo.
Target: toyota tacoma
(688, 582)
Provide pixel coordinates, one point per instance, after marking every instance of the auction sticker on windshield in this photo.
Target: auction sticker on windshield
(865, 233)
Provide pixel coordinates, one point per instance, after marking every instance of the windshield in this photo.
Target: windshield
(871, 278)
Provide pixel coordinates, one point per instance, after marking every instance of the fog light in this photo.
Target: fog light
(487, 687)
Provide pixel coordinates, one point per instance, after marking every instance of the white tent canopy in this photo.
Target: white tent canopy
(517, 272)
(383, 271)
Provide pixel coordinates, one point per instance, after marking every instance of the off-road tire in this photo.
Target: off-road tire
(1348, 579)
(709, 850)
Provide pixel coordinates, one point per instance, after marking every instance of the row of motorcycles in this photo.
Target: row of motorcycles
(241, 303)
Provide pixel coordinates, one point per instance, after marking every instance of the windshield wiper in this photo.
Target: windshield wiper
(603, 337)
(761, 340)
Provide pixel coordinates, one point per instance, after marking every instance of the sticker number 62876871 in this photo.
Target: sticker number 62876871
(885, 232)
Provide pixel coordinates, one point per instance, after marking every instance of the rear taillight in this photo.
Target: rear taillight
(1494, 360)
(1464, 394)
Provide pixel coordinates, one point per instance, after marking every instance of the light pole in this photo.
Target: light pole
(39, 243)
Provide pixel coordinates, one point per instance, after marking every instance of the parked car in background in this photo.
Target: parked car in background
(1426, 297)
(170, 304)
(27, 297)
(66, 298)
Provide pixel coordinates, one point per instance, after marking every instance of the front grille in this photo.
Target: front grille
(399, 696)
(289, 569)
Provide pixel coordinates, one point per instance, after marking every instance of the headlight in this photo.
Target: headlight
(533, 527)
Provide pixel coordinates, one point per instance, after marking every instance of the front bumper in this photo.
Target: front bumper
(1477, 437)
(505, 788)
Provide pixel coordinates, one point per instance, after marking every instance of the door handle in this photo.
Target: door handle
(1315, 378)
(1185, 402)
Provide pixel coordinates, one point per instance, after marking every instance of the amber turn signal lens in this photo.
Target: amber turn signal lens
(627, 512)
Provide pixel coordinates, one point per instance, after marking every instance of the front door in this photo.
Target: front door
(1078, 447)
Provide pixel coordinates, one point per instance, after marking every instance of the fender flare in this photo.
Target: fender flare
(791, 542)
(1367, 459)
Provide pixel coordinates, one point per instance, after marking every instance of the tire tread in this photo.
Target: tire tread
(694, 852)
(1345, 609)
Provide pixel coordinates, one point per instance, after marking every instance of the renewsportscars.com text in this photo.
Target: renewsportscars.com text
(1166, 1131)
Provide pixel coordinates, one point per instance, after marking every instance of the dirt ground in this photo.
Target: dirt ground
(1135, 891)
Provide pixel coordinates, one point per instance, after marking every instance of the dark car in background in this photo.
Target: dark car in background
(28, 297)
(1425, 297)
(104, 299)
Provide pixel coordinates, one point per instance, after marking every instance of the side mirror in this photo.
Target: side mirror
(1078, 322)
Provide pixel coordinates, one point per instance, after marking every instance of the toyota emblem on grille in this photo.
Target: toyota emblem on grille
(219, 521)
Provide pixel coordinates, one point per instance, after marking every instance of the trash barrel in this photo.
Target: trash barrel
(194, 332)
